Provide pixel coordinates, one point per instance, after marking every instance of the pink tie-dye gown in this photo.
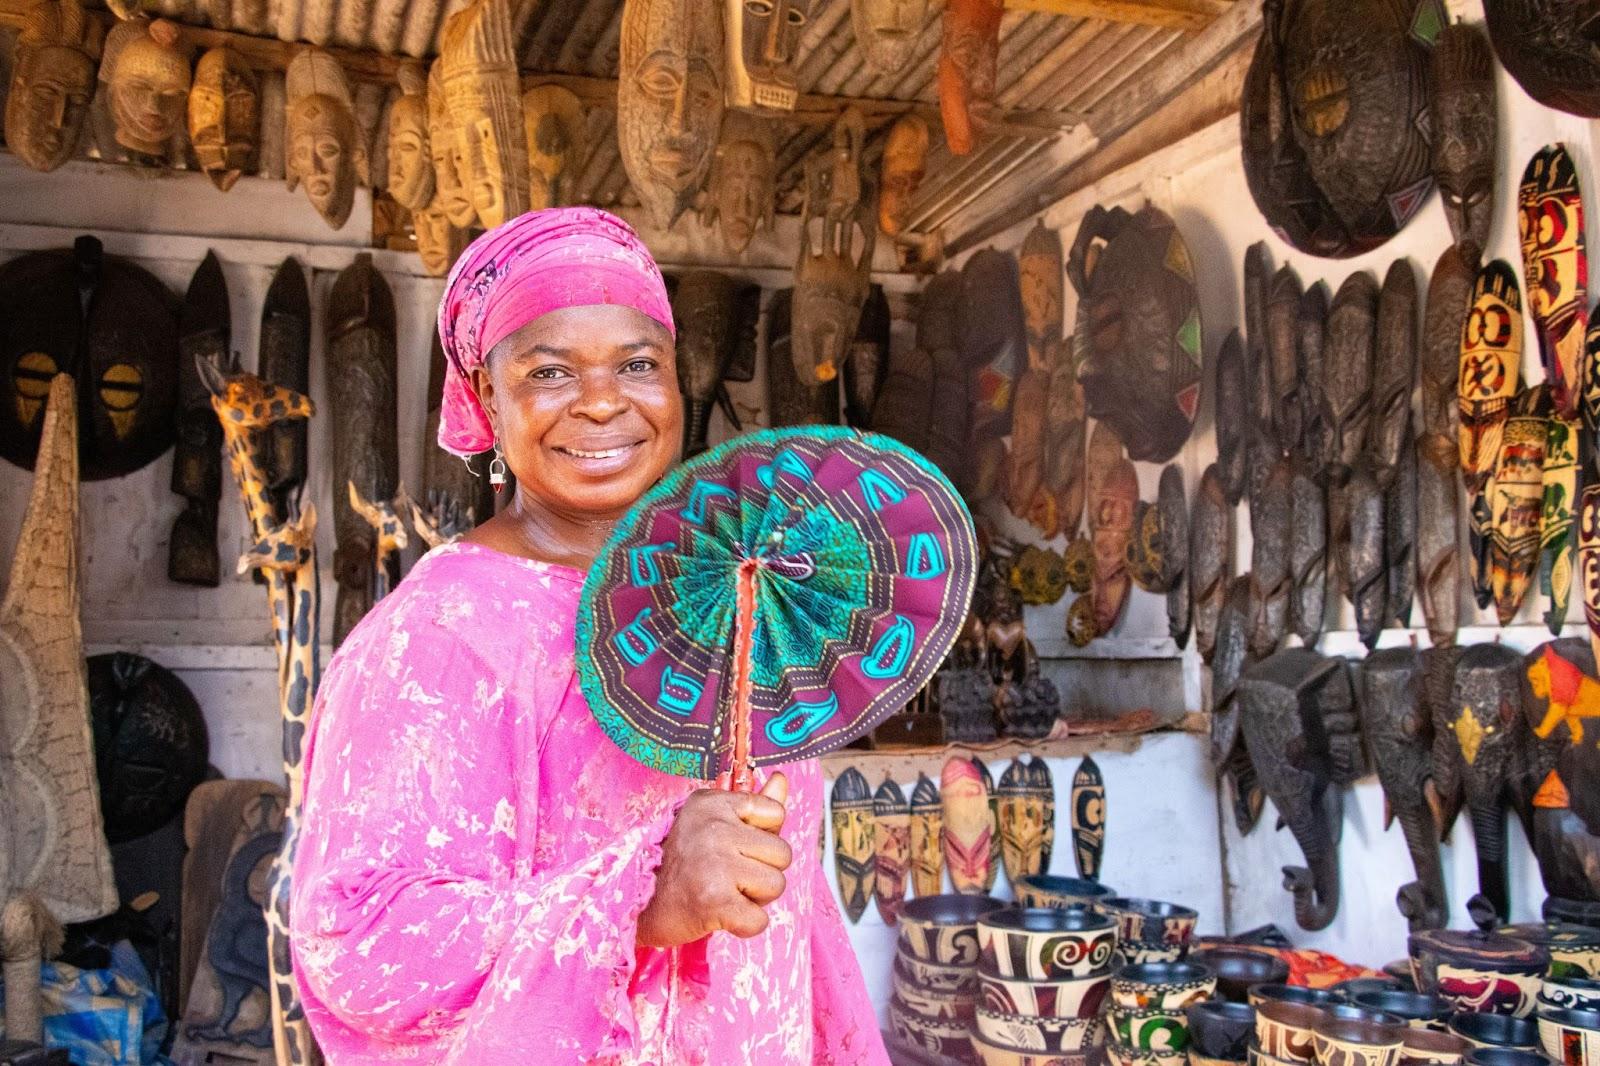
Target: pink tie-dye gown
(475, 855)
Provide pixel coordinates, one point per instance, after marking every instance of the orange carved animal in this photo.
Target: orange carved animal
(1573, 695)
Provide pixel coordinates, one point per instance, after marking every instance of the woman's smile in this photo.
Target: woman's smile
(598, 459)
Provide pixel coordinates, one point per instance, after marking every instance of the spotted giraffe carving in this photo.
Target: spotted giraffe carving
(285, 551)
(388, 532)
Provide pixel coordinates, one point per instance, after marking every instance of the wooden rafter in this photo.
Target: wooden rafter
(1172, 14)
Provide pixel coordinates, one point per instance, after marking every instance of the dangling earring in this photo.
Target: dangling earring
(497, 469)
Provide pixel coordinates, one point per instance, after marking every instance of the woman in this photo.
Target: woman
(482, 877)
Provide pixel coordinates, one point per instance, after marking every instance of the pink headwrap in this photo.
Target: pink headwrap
(536, 263)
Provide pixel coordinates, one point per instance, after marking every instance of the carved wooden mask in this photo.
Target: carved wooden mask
(447, 180)
(832, 275)
(905, 162)
(1463, 117)
(1556, 267)
(439, 242)
(762, 39)
(149, 84)
(52, 83)
(553, 124)
(1491, 369)
(484, 98)
(1040, 265)
(969, 58)
(887, 31)
(224, 116)
(1551, 49)
(742, 196)
(410, 164)
(327, 152)
(669, 100)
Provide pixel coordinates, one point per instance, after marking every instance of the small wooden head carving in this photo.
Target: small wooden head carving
(553, 123)
(741, 196)
(439, 242)
(669, 100)
(52, 83)
(484, 98)
(410, 161)
(148, 77)
(832, 277)
(224, 116)
(887, 31)
(905, 161)
(969, 57)
(762, 39)
(326, 150)
(447, 178)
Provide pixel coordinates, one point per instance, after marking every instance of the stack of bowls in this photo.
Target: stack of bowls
(1048, 890)
(1220, 1032)
(1571, 1037)
(1476, 971)
(1417, 1009)
(1483, 1031)
(1149, 930)
(1570, 993)
(1148, 1019)
(1292, 1034)
(1043, 974)
(1238, 969)
(935, 981)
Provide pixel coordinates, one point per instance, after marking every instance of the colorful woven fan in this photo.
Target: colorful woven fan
(773, 599)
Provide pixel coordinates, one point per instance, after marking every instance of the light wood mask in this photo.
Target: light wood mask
(553, 120)
(887, 31)
(147, 76)
(450, 191)
(484, 100)
(410, 161)
(326, 150)
(52, 83)
(224, 116)
(741, 196)
(968, 61)
(762, 40)
(905, 161)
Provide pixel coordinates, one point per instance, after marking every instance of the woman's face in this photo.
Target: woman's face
(585, 403)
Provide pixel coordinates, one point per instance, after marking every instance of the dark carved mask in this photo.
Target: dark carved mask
(1552, 48)
(1464, 135)
(887, 30)
(762, 38)
(224, 116)
(52, 82)
(832, 275)
(742, 198)
(968, 66)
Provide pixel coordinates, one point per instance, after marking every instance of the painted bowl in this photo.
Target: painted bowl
(954, 1005)
(995, 1055)
(1238, 968)
(1571, 1037)
(1150, 921)
(1025, 1033)
(1048, 890)
(1358, 985)
(1197, 1059)
(1574, 949)
(1046, 943)
(1414, 1008)
(1150, 1029)
(1506, 1056)
(1221, 1030)
(1338, 1042)
(1149, 954)
(943, 1037)
(944, 929)
(1122, 1055)
(1476, 971)
(1494, 1030)
(1570, 993)
(1430, 1047)
(1079, 997)
(931, 977)
(1167, 985)
(1284, 1030)
(1349, 1012)
(1279, 992)
(1257, 1057)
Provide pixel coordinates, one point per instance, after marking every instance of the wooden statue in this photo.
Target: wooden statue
(1550, 222)
(1549, 49)
(52, 81)
(831, 275)
(484, 100)
(905, 163)
(927, 838)
(968, 829)
(1394, 370)
(855, 859)
(1088, 818)
(969, 57)
(410, 157)
(669, 100)
(887, 31)
(742, 195)
(326, 149)
(1491, 374)
(994, 347)
(148, 85)
(762, 42)
(204, 332)
(891, 817)
(284, 359)
(1027, 805)
(224, 116)
(1560, 500)
(1464, 116)
(449, 181)
(553, 124)
(1113, 491)
(1438, 450)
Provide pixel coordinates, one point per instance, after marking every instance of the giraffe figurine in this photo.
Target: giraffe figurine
(445, 521)
(285, 551)
(389, 531)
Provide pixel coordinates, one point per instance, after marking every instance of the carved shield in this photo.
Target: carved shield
(1209, 529)
(1400, 533)
(1088, 818)
(968, 827)
(1312, 324)
(1347, 371)
(1394, 372)
(1027, 804)
(1270, 521)
(891, 818)
(1464, 116)
(1308, 552)
(1438, 535)
(1113, 492)
(1232, 417)
(1516, 497)
(1550, 49)
(1491, 371)
(855, 859)
(1589, 561)
(1139, 327)
(1365, 554)
(1283, 357)
(927, 838)
(994, 346)
(1556, 266)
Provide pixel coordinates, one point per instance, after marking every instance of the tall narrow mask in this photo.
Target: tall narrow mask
(905, 162)
(149, 84)
(969, 59)
(447, 179)
(52, 83)
(484, 99)
(762, 38)
(741, 197)
(832, 275)
(1463, 119)
(410, 164)
(887, 31)
(224, 116)
(553, 119)
(327, 153)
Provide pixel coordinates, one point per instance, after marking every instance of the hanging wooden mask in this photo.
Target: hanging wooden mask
(1113, 492)
(1400, 533)
(439, 242)
(832, 274)
(1067, 437)
(1550, 49)
(791, 400)
(905, 162)
(887, 31)
(1232, 399)
(1394, 370)
(855, 842)
(52, 83)
(1449, 297)
(124, 356)
(327, 152)
(1334, 124)
(1556, 266)
(891, 818)
(224, 116)
(1312, 327)
(927, 838)
(1364, 553)
(1281, 315)
(1040, 268)
(1347, 371)
(410, 179)
(283, 358)
(669, 100)
(1491, 373)
(762, 41)
(994, 346)
(989, 790)
(968, 826)
(868, 362)
(1589, 561)
(1139, 326)
(1515, 502)
(1464, 136)
(1308, 551)
(1208, 559)
(1271, 534)
(553, 126)
(969, 57)
(1560, 492)
(1174, 511)
(741, 197)
(1024, 478)
(148, 79)
(1027, 802)
(1088, 818)
(450, 190)
(205, 333)
(703, 305)
(484, 99)
(1438, 448)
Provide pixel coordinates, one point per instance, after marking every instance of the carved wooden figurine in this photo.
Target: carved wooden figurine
(553, 125)
(891, 817)
(832, 273)
(1491, 373)
(855, 859)
(52, 82)
(449, 180)
(1549, 49)
(905, 162)
(1027, 806)
(484, 99)
(742, 197)
(887, 30)
(326, 150)
(147, 78)
(388, 520)
(1556, 266)
(968, 828)
(969, 57)
(927, 838)
(762, 42)
(203, 333)
(410, 157)
(1438, 450)
(1464, 116)
(224, 116)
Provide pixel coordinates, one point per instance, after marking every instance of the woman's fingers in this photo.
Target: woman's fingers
(777, 788)
(759, 883)
(760, 810)
(769, 849)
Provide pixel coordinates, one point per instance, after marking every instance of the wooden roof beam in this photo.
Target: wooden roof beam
(1192, 15)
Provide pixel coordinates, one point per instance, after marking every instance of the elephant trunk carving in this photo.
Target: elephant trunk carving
(1315, 889)
(1489, 835)
(1422, 901)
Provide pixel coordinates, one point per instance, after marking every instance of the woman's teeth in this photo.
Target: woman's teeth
(609, 453)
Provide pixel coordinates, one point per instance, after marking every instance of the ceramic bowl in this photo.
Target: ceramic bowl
(1026, 1033)
(943, 1037)
(1150, 921)
(1149, 954)
(1570, 993)
(1197, 1059)
(1477, 971)
(1506, 1056)
(1167, 985)
(1284, 1030)
(1080, 997)
(943, 929)
(1046, 943)
(1257, 1057)
(1149, 1030)
(995, 1055)
(956, 1005)
(1349, 1012)
(1338, 1042)
(1494, 1030)
(1283, 993)
(1571, 1037)
(1430, 1047)
(1048, 890)
(1414, 1008)
(1122, 1055)
(1358, 985)
(1574, 949)
(1221, 1030)
(1238, 968)
(931, 977)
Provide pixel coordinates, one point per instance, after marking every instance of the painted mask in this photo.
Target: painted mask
(484, 99)
(1088, 818)
(887, 31)
(224, 116)
(968, 66)
(1556, 266)
(52, 83)
(149, 79)
(892, 817)
(741, 198)
(326, 150)
(553, 125)
(854, 842)
(447, 180)
(1113, 494)
(905, 161)
(927, 850)
(439, 242)
(1491, 369)
(1027, 818)
(1040, 265)
(669, 100)
(831, 279)
(410, 164)
(762, 38)
(968, 826)
(1516, 501)
(1550, 49)
(1463, 114)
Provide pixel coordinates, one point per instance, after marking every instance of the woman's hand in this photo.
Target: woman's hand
(721, 864)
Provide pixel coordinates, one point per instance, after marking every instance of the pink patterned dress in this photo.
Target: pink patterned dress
(475, 854)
